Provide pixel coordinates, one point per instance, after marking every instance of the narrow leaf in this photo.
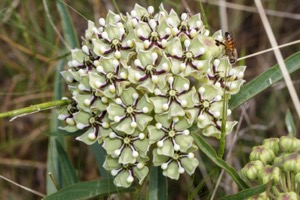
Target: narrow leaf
(87, 190)
(68, 170)
(67, 25)
(53, 165)
(211, 153)
(158, 189)
(247, 193)
(263, 81)
(289, 122)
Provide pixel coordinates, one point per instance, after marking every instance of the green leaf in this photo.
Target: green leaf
(68, 170)
(247, 193)
(289, 122)
(211, 153)
(87, 190)
(53, 165)
(100, 155)
(67, 25)
(263, 81)
(158, 188)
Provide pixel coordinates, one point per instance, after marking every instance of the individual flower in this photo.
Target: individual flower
(223, 75)
(113, 41)
(186, 56)
(127, 148)
(124, 174)
(150, 70)
(130, 111)
(170, 135)
(208, 108)
(177, 164)
(95, 125)
(152, 34)
(110, 77)
(174, 98)
(190, 26)
(66, 113)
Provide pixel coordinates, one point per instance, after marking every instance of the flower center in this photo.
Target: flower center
(126, 140)
(172, 133)
(92, 120)
(206, 104)
(154, 36)
(183, 26)
(129, 110)
(110, 76)
(176, 156)
(116, 44)
(149, 68)
(188, 57)
(172, 93)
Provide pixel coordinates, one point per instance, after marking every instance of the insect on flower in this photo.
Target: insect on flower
(229, 45)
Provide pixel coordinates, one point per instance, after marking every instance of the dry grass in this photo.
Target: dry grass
(29, 46)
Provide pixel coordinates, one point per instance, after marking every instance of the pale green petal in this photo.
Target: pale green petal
(189, 164)
(155, 134)
(184, 141)
(143, 120)
(158, 159)
(125, 127)
(111, 163)
(121, 179)
(172, 171)
(126, 156)
(141, 174)
(114, 110)
(175, 110)
(167, 149)
(110, 145)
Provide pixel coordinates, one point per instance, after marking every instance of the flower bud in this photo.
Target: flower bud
(269, 173)
(289, 143)
(288, 196)
(250, 171)
(262, 153)
(291, 162)
(272, 143)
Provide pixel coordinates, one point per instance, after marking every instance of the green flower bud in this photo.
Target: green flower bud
(251, 170)
(289, 144)
(262, 153)
(288, 196)
(269, 173)
(291, 162)
(297, 178)
(272, 143)
(261, 196)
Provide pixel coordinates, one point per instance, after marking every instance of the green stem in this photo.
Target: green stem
(203, 15)
(34, 108)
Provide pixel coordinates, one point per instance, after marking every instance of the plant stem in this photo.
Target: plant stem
(33, 109)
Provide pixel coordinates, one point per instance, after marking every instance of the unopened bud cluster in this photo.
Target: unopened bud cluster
(144, 79)
(278, 160)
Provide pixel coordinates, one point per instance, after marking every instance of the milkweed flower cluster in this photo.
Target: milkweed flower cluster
(277, 160)
(142, 80)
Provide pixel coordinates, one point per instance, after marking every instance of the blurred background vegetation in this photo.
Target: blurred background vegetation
(30, 52)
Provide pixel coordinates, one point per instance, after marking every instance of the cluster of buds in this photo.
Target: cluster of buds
(144, 79)
(277, 160)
